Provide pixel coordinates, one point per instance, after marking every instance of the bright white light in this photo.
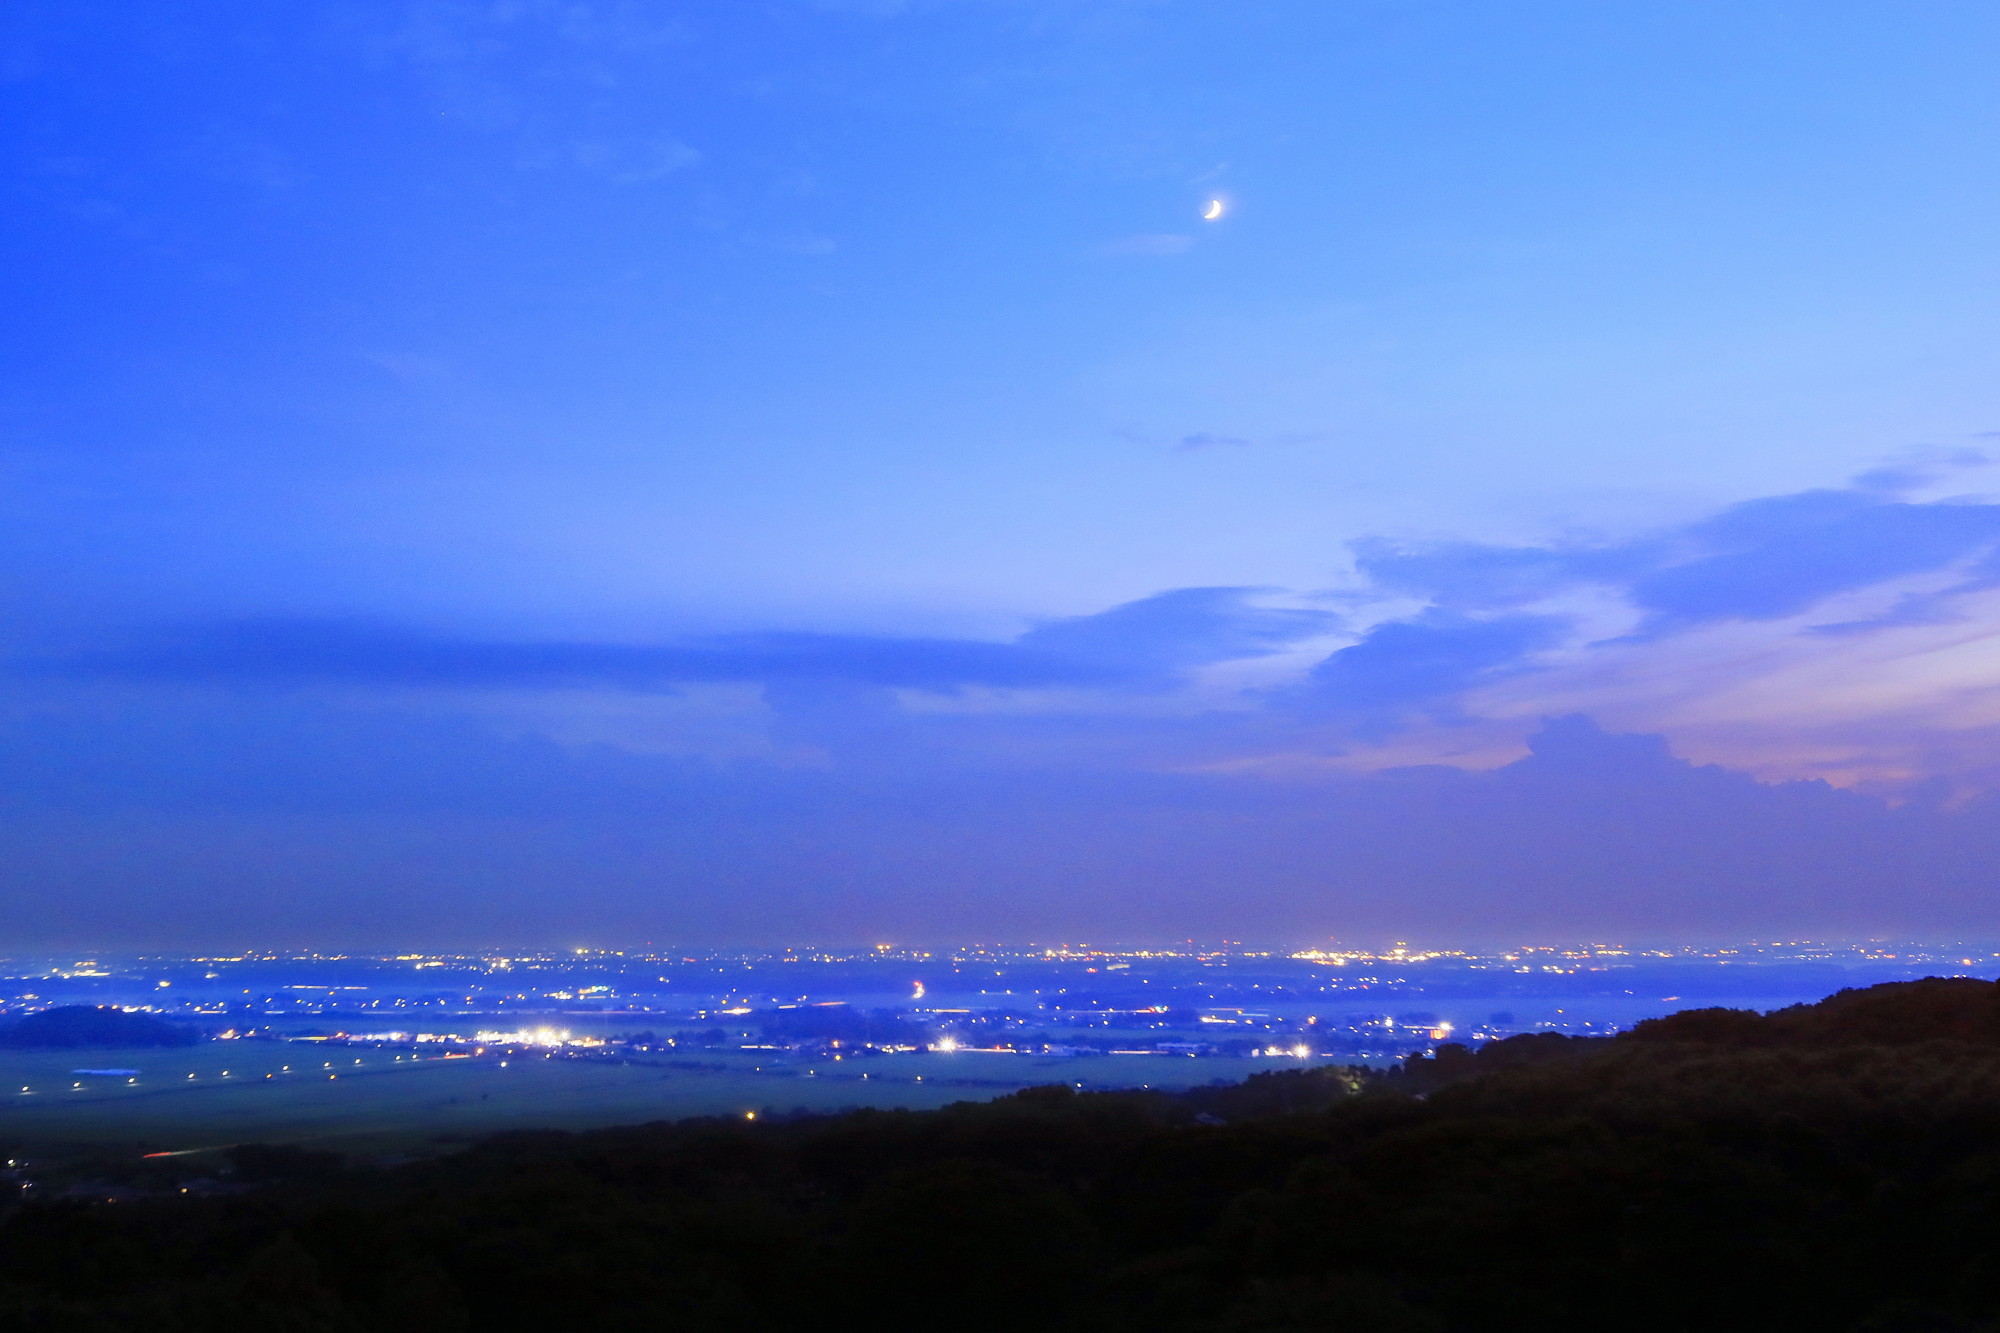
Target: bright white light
(1213, 211)
(945, 1044)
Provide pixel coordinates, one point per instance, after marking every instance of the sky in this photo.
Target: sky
(500, 472)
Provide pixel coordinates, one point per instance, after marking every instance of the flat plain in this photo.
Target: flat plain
(374, 1099)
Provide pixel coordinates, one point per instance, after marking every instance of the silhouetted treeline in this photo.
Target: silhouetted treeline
(1831, 1167)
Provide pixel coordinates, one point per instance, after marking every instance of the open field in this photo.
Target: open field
(379, 1100)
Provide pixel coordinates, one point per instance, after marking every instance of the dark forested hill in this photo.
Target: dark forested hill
(1829, 1167)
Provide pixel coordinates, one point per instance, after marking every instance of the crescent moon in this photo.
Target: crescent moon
(1214, 210)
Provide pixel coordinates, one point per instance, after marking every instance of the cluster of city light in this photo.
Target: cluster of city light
(1400, 954)
(531, 1037)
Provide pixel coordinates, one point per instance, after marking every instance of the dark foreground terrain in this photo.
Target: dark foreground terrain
(1830, 1167)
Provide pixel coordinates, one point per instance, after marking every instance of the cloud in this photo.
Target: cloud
(633, 161)
(1846, 632)
(1421, 665)
(1156, 244)
(1759, 560)
(344, 827)
(1172, 631)
(1911, 609)
(1470, 576)
(1147, 642)
(352, 652)
(804, 243)
(1811, 628)
(1766, 559)
(1206, 440)
(1921, 468)
(879, 9)
(1098, 773)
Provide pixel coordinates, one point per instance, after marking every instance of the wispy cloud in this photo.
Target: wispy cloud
(1760, 560)
(1151, 243)
(1202, 756)
(1845, 633)
(350, 652)
(1144, 643)
(1841, 632)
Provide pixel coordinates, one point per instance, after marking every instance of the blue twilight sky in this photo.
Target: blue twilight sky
(511, 470)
